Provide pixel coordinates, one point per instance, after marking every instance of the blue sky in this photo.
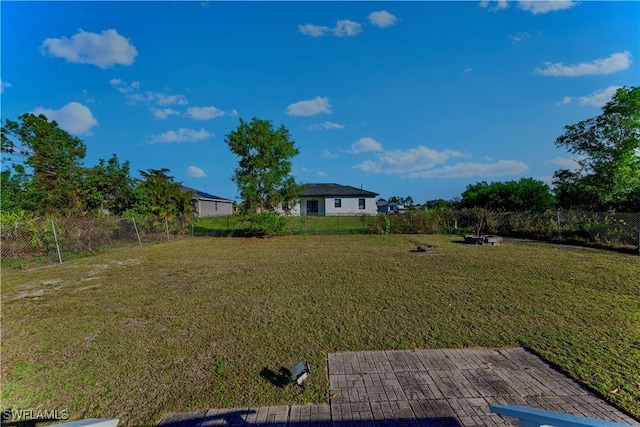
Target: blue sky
(403, 98)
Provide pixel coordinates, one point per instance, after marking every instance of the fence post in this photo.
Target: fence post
(227, 223)
(338, 227)
(559, 228)
(166, 227)
(137, 234)
(55, 237)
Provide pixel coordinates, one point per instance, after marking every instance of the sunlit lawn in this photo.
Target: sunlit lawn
(191, 324)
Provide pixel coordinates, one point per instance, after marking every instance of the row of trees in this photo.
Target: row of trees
(46, 176)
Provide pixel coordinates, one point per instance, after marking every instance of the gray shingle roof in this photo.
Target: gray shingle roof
(320, 190)
(196, 194)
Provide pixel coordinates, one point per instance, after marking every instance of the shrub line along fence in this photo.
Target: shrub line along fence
(31, 242)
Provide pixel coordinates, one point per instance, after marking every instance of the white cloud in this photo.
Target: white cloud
(325, 126)
(195, 172)
(124, 87)
(382, 19)
(313, 30)
(414, 160)
(164, 99)
(343, 28)
(204, 113)
(565, 100)
(596, 99)
(163, 113)
(535, 7)
(520, 36)
(467, 70)
(617, 62)
(470, 169)
(103, 50)
(181, 135)
(347, 28)
(149, 97)
(599, 97)
(499, 4)
(545, 6)
(74, 117)
(4, 85)
(566, 163)
(365, 145)
(328, 154)
(321, 174)
(310, 107)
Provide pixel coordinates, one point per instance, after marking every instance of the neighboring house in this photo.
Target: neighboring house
(335, 199)
(386, 207)
(209, 205)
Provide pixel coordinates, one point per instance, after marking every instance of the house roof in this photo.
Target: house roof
(201, 195)
(320, 190)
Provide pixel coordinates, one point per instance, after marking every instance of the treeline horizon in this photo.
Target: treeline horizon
(46, 175)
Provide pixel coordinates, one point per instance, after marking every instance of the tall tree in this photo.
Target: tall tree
(51, 163)
(263, 175)
(608, 174)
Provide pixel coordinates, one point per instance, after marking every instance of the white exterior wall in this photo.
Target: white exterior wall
(326, 206)
(208, 208)
(351, 206)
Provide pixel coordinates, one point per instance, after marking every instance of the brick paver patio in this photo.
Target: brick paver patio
(452, 387)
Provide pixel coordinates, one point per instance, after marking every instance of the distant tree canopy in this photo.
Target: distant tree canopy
(404, 201)
(608, 173)
(43, 174)
(440, 205)
(526, 194)
(263, 174)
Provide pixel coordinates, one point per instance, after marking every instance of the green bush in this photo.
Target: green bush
(266, 224)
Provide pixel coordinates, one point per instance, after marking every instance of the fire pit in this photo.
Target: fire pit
(488, 239)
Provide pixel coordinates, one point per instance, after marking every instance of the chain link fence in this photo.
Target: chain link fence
(32, 242)
(608, 230)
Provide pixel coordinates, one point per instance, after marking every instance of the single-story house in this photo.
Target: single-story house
(334, 199)
(207, 205)
(386, 207)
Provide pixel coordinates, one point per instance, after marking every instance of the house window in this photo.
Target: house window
(361, 204)
(338, 203)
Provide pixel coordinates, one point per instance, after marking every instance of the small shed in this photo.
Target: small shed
(208, 205)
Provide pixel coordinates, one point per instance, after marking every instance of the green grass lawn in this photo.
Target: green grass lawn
(191, 324)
